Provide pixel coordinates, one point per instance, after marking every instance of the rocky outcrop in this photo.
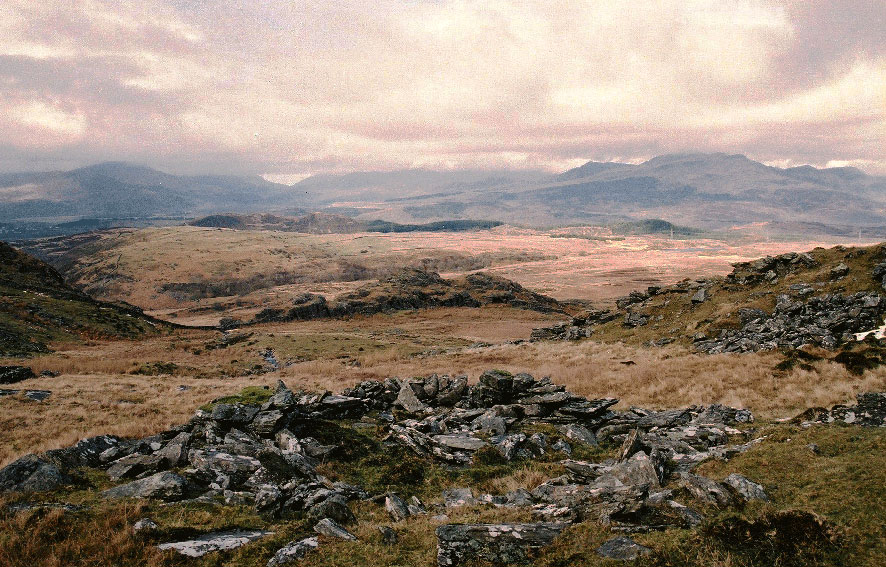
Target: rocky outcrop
(414, 289)
(824, 321)
(497, 544)
(870, 411)
(250, 454)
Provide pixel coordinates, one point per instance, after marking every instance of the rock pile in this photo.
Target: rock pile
(770, 268)
(251, 454)
(824, 321)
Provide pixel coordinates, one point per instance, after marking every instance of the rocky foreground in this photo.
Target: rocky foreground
(267, 456)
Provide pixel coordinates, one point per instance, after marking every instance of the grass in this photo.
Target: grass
(250, 395)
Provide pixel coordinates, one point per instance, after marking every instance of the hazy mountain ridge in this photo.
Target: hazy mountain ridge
(714, 191)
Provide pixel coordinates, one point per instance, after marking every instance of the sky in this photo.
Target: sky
(289, 89)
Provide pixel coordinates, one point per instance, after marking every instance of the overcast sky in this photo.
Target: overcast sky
(294, 88)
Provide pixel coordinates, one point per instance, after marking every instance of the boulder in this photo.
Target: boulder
(455, 497)
(32, 473)
(13, 374)
(162, 486)
(145, 525)
(407, 399)
(133, 465)
(496, 544)
(218, 541)
(746, 489)
(706, 490)
(579, 433)
(293, 551)
(460, 441)
(388, 535)
(396, 508)
(335, 508)
(330, 528)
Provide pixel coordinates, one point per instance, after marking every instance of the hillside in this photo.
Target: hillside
(819, 300)
(325, 223)
(37, 308)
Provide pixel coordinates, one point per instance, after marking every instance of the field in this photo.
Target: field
(196, 275)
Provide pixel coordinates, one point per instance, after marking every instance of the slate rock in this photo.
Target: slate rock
(335, 508)
(746, 489)
(579, 433)
(13, 374)
(145, 525)
(218, 541)
(407, 399)
(388, 535)
(32, 473)
(396, 508)
(706, 490)
(455, 497)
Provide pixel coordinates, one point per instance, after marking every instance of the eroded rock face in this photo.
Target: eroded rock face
(497, 544)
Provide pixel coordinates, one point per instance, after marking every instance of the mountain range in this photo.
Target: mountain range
(710, 191)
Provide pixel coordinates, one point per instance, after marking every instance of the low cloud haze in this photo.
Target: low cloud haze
(290, 89)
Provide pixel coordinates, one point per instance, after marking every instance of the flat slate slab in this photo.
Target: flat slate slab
(218, 541)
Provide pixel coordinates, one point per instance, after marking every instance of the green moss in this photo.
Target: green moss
(250, 395)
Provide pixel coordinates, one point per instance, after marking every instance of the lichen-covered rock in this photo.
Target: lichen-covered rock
(219, 541)
(162, 486)
(497, 544)
(32, 473)
(293, 551)
(746, 489)
(396, 508)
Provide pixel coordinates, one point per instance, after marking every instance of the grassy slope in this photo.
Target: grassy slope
(38, 308)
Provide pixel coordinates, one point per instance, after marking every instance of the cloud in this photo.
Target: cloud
(299, 88)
